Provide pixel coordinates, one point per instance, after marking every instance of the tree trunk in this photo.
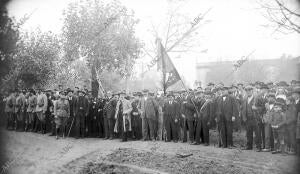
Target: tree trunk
(94, 82)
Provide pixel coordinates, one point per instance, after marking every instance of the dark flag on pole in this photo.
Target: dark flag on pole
(165, 64)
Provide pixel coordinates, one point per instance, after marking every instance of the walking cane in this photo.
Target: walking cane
(71, 126)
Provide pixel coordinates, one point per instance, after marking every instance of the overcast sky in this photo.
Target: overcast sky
(236, 27)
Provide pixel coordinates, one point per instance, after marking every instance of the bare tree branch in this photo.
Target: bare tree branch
(282, 16)
(285, 8)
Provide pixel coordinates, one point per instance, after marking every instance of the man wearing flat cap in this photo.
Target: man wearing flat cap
(251, 116)
(225, 115)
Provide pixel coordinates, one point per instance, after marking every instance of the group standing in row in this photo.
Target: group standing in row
(270, 111)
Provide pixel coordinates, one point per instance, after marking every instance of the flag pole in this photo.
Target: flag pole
(163, 64)
(189, 93)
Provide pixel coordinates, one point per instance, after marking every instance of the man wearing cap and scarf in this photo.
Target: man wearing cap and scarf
(149, 109)
(41, 108)
(225, 115)
(269, 106)
(251, 117)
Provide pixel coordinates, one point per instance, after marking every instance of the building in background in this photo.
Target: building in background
(266, 70)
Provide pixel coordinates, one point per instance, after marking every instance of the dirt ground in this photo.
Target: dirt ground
(36, 153)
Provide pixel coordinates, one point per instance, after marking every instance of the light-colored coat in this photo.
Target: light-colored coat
(42, 103)
(149, 108)
(31, 103)
(62, 108)
(10, 104)
(20, 103)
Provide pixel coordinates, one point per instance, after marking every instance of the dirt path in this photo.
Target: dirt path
(36, 153)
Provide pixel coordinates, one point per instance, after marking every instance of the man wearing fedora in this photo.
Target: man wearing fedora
(149, 109)
(226, 113)
(171, 112)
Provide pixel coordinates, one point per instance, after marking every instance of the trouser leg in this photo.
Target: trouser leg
(258, 133)
(205, 131)
(145, 128)
(174, 130)
(168, 128)
(106, 126)
(291, 130)
(222, 129)
(77, 126)
(111, 124)
(83, 125)
(7, 114)
(191, 130)
(229, 140)
(267, 138)
(151, 123)
(263, 134)
(249, 134)
(184, 130)
(198, 130)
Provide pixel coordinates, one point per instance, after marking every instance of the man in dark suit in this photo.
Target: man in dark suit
(188, 111)
(206, 112)
(171, 111)
(251, 118)
(109, 115)
(226, 113)
(71, 98)
(199, 101)
(149, 109)
(81, 110)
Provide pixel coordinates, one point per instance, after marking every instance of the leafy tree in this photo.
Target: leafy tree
(104, 34)
(34, 61)
(9, 36)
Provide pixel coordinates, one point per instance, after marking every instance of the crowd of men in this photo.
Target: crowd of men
(270, 111)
